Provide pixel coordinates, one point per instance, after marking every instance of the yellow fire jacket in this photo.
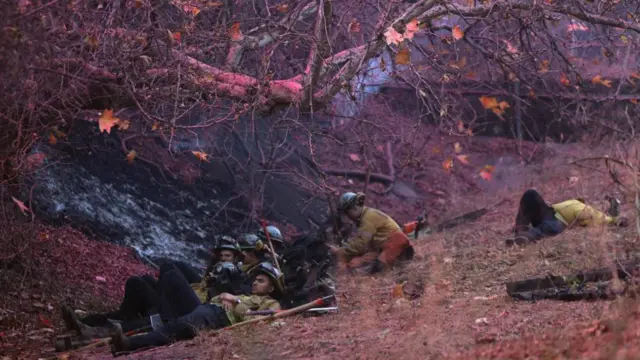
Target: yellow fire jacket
(576, 212)
(247, 303)
(374, 228)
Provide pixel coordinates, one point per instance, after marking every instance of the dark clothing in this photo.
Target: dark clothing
(144, 296)
(140, 300)
(183, 328)
(536, 219)
(187, 270)
(176, 295)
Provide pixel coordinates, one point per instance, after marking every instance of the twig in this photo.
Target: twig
(381, 178)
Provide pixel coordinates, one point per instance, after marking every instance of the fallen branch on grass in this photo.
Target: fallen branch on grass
(591, 284)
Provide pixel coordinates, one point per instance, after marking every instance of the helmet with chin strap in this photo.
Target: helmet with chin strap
(351, 199)
(271, 271)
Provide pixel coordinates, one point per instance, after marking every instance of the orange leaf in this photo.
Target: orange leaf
(457, 32)
(634, 101)
(131, 156)
(447, 164)
(488, 102)
(235, 33)
(23, 208)
(107, 121)
(354, 26)
(486, 172)
(564, 80)
(201, 155)
(599, 80)
(354, 157)
(52, 139)
(176, 36)
(636, 75)
(138, 4)
(403, 57)
(532, 94)
(456, 147)
(463, 159)
(397, 291)
(392, 36)
(544, 66)
(283, 8)
(435, 150)
(411, 29)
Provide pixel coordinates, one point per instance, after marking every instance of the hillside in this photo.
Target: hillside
(464, 311)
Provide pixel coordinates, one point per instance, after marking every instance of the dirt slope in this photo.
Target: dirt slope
(464, 311)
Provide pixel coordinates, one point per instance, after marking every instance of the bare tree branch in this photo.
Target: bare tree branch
(318, 50)
(252, 40)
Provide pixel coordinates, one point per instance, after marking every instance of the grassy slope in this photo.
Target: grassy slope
(464, 312)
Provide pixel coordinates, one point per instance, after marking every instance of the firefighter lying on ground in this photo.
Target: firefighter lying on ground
(145, 296)
(221, 311)
(379, 241)
(536, 219)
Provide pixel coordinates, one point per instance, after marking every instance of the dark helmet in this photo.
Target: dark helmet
(274, 234)
(271, 271)
(227, 242)
(351, 199)
(250, 242)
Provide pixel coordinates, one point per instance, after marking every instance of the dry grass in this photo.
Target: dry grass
(465, 302)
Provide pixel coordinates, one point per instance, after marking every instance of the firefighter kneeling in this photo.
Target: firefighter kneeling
(379, 241)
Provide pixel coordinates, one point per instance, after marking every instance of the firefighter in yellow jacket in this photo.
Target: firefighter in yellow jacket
(379, 241)
(536, 219)
(221, 311)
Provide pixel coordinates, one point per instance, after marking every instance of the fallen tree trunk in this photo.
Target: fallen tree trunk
(583, 285)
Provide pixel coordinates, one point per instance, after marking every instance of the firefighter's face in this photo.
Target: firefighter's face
(250, 257)
(262, 285)
(354, 212)
(227, 256)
